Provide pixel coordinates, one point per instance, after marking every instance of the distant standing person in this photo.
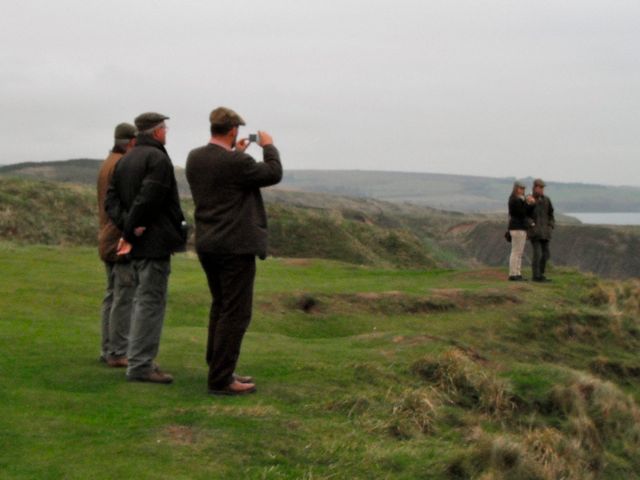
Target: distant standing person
(118, 299)
(231, 230)
(519, 221)
(540, 232)
(143, 202)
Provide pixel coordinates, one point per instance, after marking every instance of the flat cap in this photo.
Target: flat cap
(124, 131)
(518, 184)
(225, 117)
(148, 120)
(538, 182)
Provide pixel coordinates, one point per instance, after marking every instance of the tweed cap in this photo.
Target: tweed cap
(538, 182)
(225, 117)
(148, 120)
(124, 131)
(518, 184)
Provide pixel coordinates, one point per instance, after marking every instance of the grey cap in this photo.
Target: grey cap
(518, 184)
(148, 120)
(225, 117)
(124, 131)
(538, 182)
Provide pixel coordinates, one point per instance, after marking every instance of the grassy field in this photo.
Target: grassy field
(361, 373)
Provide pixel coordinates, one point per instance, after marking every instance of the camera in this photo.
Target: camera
(254, 137)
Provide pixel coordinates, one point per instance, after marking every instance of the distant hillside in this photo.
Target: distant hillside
(359, 231)
(445, 192)
(459, 192)
(82, 171)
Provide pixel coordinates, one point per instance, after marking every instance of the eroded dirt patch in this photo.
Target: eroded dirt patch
(393, 302)
(179, 435)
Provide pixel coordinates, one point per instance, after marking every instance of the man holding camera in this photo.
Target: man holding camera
(143, 202)
(231, 230)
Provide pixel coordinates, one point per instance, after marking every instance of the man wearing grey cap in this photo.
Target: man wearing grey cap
(540, 232)
(142, 200)
(231, 230)
(118, 299)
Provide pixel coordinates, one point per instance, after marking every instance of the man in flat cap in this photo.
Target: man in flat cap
(231, 230)
(143, 202)
(540, 233)
(118, 299)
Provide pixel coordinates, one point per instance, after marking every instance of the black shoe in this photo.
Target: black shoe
(514, 278)
(542, 279)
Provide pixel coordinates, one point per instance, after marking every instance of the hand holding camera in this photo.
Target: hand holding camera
(261, 138)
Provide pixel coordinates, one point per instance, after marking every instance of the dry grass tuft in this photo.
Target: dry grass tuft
(612, 412)
(414, 413)
(467, 382)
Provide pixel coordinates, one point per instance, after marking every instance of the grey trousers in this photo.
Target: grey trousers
(151, 278)
(117, 306)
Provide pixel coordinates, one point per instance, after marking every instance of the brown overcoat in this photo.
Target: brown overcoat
(109, 234)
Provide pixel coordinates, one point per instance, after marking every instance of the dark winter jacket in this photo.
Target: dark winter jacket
(519, 213)
(144, 193)
(543, 219)
(229, 212)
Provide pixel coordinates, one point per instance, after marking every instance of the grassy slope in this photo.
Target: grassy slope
(42, 212)
(392, 374)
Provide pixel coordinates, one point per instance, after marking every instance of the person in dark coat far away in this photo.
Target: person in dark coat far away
(519, 221)
(543, 222)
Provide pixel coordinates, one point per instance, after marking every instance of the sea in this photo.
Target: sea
(625, 218)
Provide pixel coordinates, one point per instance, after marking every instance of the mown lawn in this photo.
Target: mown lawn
(339, 394)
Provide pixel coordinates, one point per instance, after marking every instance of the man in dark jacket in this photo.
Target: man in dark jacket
(231, 230)
(540, 232)
(143, 202)
(118, 299)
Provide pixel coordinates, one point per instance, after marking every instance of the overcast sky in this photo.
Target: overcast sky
(498, 88)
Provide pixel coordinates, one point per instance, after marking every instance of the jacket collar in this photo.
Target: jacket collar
(149, 141)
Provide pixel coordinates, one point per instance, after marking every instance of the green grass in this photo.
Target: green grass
(339, 391)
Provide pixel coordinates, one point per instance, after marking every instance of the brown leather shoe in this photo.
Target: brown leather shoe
(242, 378)
(154, 376)
(235, 388)
(117, 362)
